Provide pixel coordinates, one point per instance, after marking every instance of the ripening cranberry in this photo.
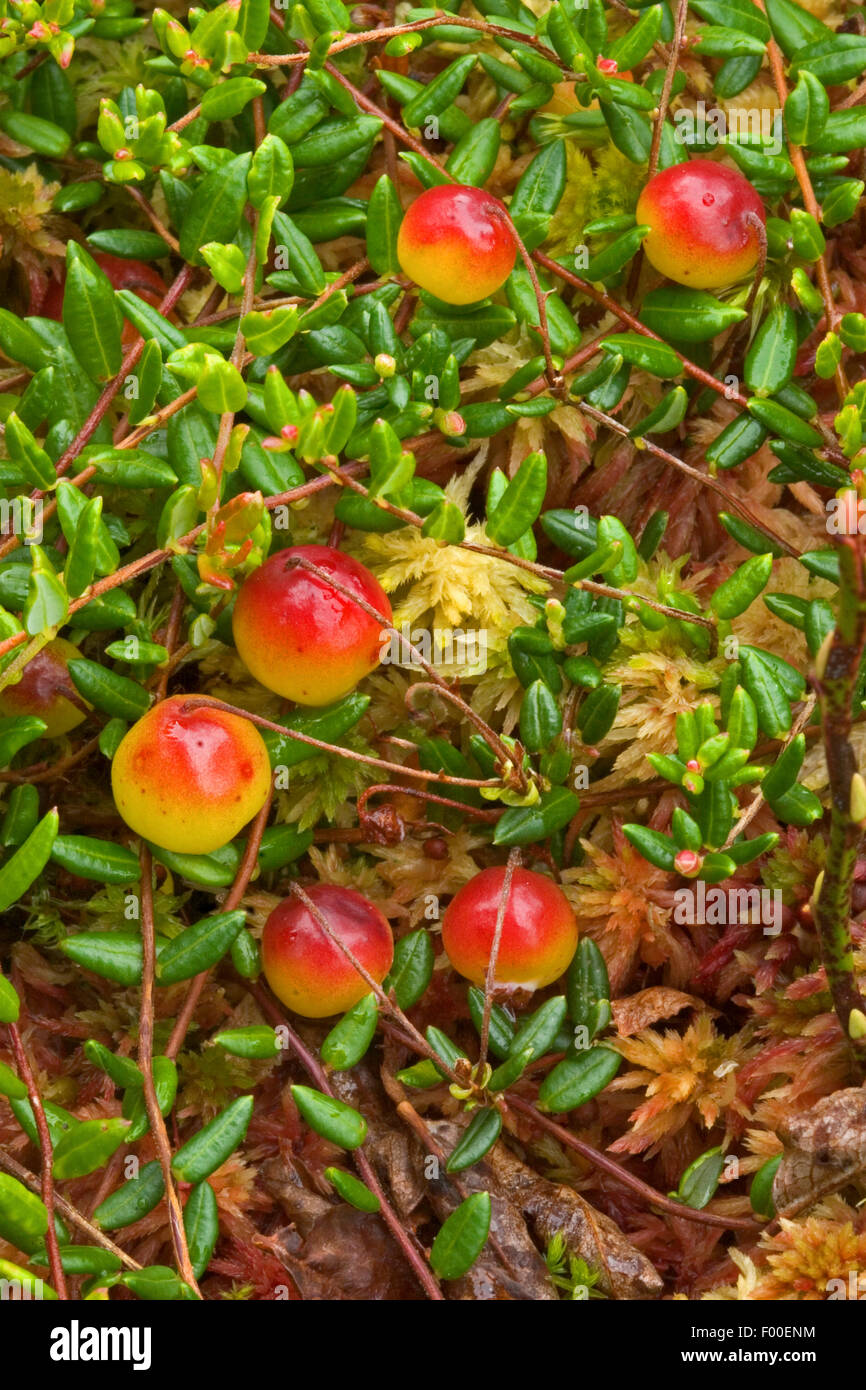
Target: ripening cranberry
(303, 639)
(306, 969)
(457, 242)
(189, 780)
(539, 933)
(705, 222)
(44, 690)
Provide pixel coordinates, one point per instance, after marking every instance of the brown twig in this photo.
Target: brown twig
(46, 1153)
(615, 1170)
(704, 478)
(264, 60)
(667, 85)
(65, 1208)
(837, 667)
(153, 217)
(201, 701)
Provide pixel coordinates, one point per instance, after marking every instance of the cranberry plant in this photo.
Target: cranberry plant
(432, 468)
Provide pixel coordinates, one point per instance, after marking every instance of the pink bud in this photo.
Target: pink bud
(607, 65)
(688, 863)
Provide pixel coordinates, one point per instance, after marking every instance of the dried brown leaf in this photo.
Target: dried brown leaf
(554, 1207)
(825, 1148)
(636, 1011)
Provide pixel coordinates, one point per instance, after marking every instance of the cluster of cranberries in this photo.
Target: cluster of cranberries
(309, 625)
(307, 970)
(706, 228)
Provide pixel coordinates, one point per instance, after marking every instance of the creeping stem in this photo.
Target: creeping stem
(837, 675)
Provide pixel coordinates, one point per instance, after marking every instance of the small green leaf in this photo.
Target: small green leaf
(806, 109)
(477, 1139)
(221, 388)
(520, 503)
(501, 1027)
(445, 523)
(132, 1200)
(122, 1070)
(384, 215)
(115, 695)
(522, 825)
(540, 717)
(91, 315)
(349, 1039)
(102, 860)
(336, 1122)
(669, 413)
(157, 1284)
(538, 1032)
(23, 1217)
(352, 1190)
(462, 1237)
(88, 1145)
(228, 98)
(10, 1004)
(256, 1041)
(32, 1287)
(700, 1180)
(646, 353)
(215, 210)
(741, 589)
(201, 1226)
(770, 360)
(199, 947)
(588, 988)
(47, 604)
(412, 969)
(598, 712)
(115, 956)
(761, 1190)
(208, 1150)
(575, 1080)
(659, 849)
(11, 1085)
(27, 863)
